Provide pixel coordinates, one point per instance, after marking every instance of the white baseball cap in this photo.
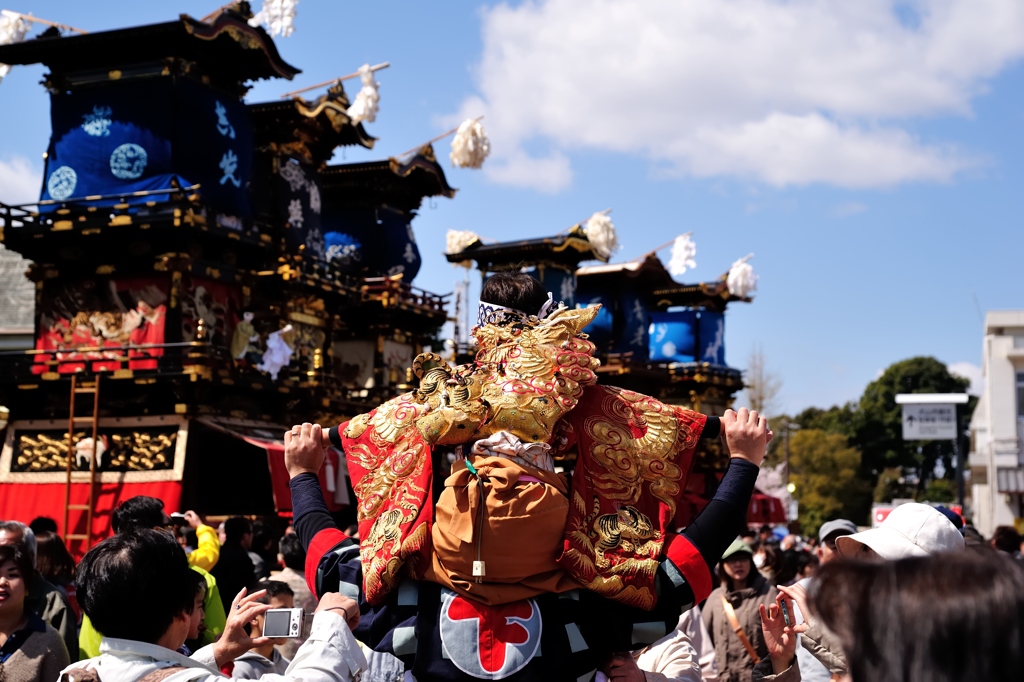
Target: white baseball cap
(911, 529)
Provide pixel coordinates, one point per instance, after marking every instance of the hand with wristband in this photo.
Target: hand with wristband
(346, 607)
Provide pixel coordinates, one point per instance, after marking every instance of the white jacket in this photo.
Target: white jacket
(331, 654)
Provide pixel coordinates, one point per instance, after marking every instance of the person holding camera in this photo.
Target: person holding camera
(140, 640)
(264, 659)
(148, 512)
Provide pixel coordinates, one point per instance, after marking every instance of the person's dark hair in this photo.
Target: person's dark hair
(28, 538)
(958, 616)
(514, 290)
(1006, 539)
(43, 524)
(53, 561)
(262, 536)
(805, 560)
(294, 554)
(138, 512)
(134, 584)
(274, 588)
(772, 558)
(235, 528)
(18, 553)
(788, 566)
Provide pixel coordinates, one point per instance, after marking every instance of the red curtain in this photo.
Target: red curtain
(25, 501)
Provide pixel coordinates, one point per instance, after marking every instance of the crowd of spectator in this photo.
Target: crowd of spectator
(129, 591)
(922, 597)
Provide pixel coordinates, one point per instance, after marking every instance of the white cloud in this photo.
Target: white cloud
(970, 371)
(785, 92)
(19, 181)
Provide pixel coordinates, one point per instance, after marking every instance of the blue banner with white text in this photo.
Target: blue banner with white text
(121, 138)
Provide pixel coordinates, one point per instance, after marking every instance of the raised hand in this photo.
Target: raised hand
(193, 519)
(780, 639)
(234, 641)
(303, 449)
(798, 594)
(746, 434)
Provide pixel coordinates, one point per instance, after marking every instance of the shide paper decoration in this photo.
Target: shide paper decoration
(277, 17)
(601, 234)
(741, 279)
(683, 252)
(470, 146)
(13, 29)
(366, 105)
(458, 241)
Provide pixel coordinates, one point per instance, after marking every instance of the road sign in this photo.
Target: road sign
(929, 422)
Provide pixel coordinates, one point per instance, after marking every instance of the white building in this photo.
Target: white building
(997, 426)
(17, 302)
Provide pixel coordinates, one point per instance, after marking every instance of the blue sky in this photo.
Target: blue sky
(868, 153)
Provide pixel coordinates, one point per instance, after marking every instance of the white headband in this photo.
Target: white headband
(490, 312)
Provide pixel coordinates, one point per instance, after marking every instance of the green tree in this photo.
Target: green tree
(939, 490)
(891, 485)
(878, 421)
(824, 469)
(836, 419)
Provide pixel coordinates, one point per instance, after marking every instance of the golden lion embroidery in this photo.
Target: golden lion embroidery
(628, 528)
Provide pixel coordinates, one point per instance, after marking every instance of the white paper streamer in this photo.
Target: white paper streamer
(601, 234)
(13, 29)
(470, 145)
(683, 252)
(365, 107)
(457, 241)
(277, 17)
(741, 279)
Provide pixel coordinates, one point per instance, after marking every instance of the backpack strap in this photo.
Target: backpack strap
(730, 615)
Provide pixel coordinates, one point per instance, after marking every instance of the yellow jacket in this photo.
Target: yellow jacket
(207, 553)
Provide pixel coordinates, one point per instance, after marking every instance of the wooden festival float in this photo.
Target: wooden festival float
(204, 278)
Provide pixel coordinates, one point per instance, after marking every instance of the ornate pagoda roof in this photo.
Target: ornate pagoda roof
(310, 129)
(650, 277)
(226, 51)
(564, 250)
(398, 183)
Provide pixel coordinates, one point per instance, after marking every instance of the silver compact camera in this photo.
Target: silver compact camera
(283, 623)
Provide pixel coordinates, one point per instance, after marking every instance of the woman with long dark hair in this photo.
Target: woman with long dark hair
(950, 617)
(743, 589)
(56, 565)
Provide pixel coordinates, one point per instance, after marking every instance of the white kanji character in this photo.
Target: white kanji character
(224, 126)
(229, 164)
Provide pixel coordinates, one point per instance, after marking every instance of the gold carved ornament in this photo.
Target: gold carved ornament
(525, 377)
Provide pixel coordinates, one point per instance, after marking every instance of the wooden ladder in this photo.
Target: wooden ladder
(94, 390)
